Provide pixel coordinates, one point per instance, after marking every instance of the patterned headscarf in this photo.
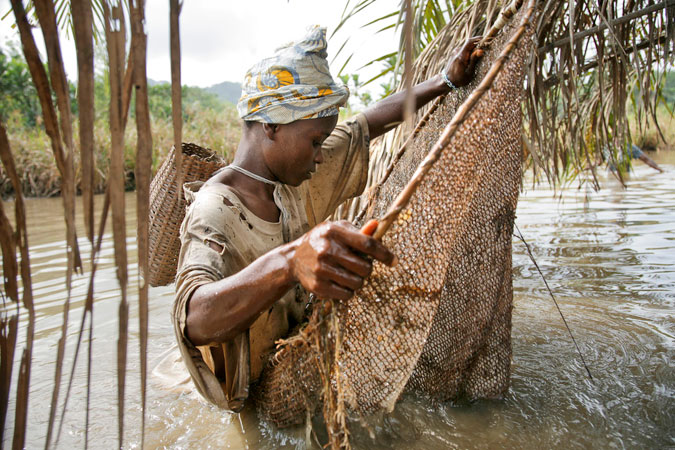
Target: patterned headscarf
(294, 84)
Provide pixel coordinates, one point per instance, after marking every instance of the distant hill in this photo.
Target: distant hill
(227, 90)
(152, 82)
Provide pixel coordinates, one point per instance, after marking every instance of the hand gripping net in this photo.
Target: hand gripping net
(438, 323)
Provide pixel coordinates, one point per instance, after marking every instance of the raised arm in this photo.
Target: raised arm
(388, 113)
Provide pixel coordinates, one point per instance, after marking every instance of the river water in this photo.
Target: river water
(609, 257)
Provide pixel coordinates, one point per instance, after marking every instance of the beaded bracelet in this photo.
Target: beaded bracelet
(447, 81)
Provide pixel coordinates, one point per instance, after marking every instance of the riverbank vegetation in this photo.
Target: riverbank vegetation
(651, 136)
(207, 121)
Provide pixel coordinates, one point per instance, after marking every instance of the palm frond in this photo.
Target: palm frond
(594, 61)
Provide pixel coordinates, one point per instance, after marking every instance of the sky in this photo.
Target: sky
(221, 39)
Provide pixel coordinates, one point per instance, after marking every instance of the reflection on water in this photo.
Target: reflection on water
(609, 257)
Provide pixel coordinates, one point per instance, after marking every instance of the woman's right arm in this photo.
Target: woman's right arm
(331, 260)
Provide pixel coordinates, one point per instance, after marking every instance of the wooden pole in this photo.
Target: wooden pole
(84, 43)
(175, 7)
(20, 240)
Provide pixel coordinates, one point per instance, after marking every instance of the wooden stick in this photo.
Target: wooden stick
(127, 83)
(57, 73)
(504, 16)
(42, 87)
(409, 100)
(47, 17)
(420, 124)
(9, 328)
(88, 312)
(406, 194)
(82, 16)
(21, 241)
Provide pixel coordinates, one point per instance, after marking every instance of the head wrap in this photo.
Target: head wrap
(293, 84)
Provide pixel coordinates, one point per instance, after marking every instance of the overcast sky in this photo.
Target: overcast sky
(221, 39)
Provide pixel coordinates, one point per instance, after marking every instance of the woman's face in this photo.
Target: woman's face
(296, 149)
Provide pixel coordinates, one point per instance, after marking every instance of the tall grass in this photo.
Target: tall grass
(217, 130)
(648, 136)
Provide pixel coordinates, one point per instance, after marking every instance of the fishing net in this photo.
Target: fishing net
(439, 322)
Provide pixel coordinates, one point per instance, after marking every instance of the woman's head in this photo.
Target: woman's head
(290, 152)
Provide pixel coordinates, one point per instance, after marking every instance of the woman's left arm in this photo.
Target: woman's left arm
(388, 113)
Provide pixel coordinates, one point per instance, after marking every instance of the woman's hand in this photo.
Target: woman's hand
(387, 113)
(333, 259)
(461, 66)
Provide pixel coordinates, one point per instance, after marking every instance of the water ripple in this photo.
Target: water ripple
(609, 256)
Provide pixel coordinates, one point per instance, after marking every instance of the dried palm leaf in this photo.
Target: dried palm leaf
(19, 238)
(115, 35)
(96, 247)
(592, 59)
(47, 17)
(143, 173)
(175, 7)
(81, 12)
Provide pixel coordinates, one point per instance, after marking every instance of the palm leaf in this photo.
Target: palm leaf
(592, 59)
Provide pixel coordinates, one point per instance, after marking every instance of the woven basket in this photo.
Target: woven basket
(167, 207)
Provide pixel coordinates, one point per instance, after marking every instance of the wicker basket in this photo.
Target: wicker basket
(167, 207)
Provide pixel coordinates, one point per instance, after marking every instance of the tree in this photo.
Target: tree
(17, 91)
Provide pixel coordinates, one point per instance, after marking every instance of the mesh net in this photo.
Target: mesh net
(439, 322)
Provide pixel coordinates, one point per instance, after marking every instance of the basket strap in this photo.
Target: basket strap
(250, 174)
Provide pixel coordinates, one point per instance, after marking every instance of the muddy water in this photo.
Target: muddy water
(609, 257)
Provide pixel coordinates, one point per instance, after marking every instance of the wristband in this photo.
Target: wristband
(447, 81)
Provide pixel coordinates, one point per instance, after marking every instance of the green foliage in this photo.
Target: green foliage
(194, 98)
(358, 98)
(668, 88)
(207, 121)
(429, 17)
(17, 91)
(218, 130)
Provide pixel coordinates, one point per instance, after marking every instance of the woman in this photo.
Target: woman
(253, 240)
